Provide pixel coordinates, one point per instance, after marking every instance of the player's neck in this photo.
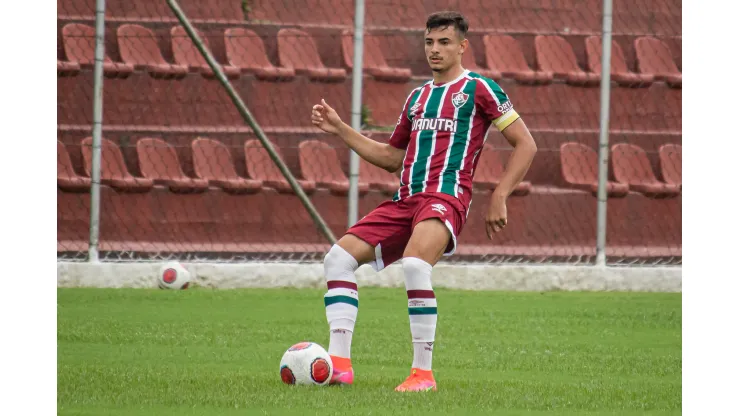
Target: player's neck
(447, 76)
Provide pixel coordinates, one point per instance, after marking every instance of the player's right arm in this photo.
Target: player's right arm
(382, 155)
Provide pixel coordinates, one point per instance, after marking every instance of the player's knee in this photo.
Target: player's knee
(417, 273)
(338, 261)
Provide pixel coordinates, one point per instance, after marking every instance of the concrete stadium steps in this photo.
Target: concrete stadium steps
(548, 221)
(195, 100)
(402, 46)
(661, 17)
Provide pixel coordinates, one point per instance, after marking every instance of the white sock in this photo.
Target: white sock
(340, 342)
(422, 305)
(341, 299)
(423, 355)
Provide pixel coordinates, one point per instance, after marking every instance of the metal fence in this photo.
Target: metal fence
(185, 176)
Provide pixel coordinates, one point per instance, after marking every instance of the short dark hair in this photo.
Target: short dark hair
(448, 18)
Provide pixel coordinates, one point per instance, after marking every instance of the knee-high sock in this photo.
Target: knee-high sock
(341, 299)
(422, 309)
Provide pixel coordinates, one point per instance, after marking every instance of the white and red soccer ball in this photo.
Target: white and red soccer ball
(306, 363)
(173, 275)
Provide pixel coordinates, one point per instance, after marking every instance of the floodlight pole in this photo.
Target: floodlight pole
(606, 55)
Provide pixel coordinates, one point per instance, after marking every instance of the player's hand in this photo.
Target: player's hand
(326, 118)
(496, 218)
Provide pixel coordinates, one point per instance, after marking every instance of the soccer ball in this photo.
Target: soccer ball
(173, 275)
(306, 363)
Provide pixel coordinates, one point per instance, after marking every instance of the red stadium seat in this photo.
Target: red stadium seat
(654, 58)
(260, 166)
(138, 47)
(158, 161)
(556, 55)
(579, 165)
(378, 178)
(503, 54)
(212, 161)
(67, 178)
(79, 45)
(619, 71)
(113, 169)
(468, 62)
(297, 50)
(671, 163)
(66, 69)
(246, 51)
(319, 162)
(631, 166)
(373, 60)
(490, 170)
(186, 53)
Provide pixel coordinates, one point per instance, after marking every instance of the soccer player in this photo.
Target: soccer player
(436, 144)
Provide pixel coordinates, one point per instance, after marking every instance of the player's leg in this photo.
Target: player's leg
(341, 300)
(361, 244)
(428, 242)
(437, 222)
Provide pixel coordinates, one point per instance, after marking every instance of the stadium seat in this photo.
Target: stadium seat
(631, 166)
(260, 166)
(490, 169)
(556, 55)
(212, 161)
(378, 178)
(67, 178)
(79, 46)
(654, 58)
(246, 51)
(138, 46)
(113, 169)
(319, 162)
(468, 62)
(671, 163)
(373, 60)
(619, 71)
(503, 54)
(185, 53)
(579, 165)
(297, 50)
(158, 161)
(67, 69)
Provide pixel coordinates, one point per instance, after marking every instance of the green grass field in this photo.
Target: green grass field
(217, 352)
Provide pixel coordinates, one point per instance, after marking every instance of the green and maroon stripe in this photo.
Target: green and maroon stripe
(422, 302)
(413, 148)
(442, 139)
(465, 116)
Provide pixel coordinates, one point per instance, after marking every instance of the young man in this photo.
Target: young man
(436, 143)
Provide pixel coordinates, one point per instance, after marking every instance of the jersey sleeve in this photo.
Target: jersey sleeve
(494, 104)
(402, 133)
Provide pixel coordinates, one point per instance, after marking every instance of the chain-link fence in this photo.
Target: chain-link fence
(184, 176)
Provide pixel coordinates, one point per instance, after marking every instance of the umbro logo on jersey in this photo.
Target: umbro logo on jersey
(414, 108)
(459, 99)
(439, 208)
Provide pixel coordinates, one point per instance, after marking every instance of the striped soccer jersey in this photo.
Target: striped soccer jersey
(443, 128)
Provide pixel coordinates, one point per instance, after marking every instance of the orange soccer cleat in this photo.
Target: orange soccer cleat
(419, 380)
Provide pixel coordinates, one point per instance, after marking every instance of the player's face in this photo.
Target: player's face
(443, 48)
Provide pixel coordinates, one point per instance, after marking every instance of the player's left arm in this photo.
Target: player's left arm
(519, 137)
(495, 104)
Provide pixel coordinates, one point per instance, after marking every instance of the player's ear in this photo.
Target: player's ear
(463, 46)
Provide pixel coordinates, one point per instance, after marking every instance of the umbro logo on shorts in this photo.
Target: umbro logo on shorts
(439, 208)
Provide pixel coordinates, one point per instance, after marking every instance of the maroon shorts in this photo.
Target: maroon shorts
(388, 227)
